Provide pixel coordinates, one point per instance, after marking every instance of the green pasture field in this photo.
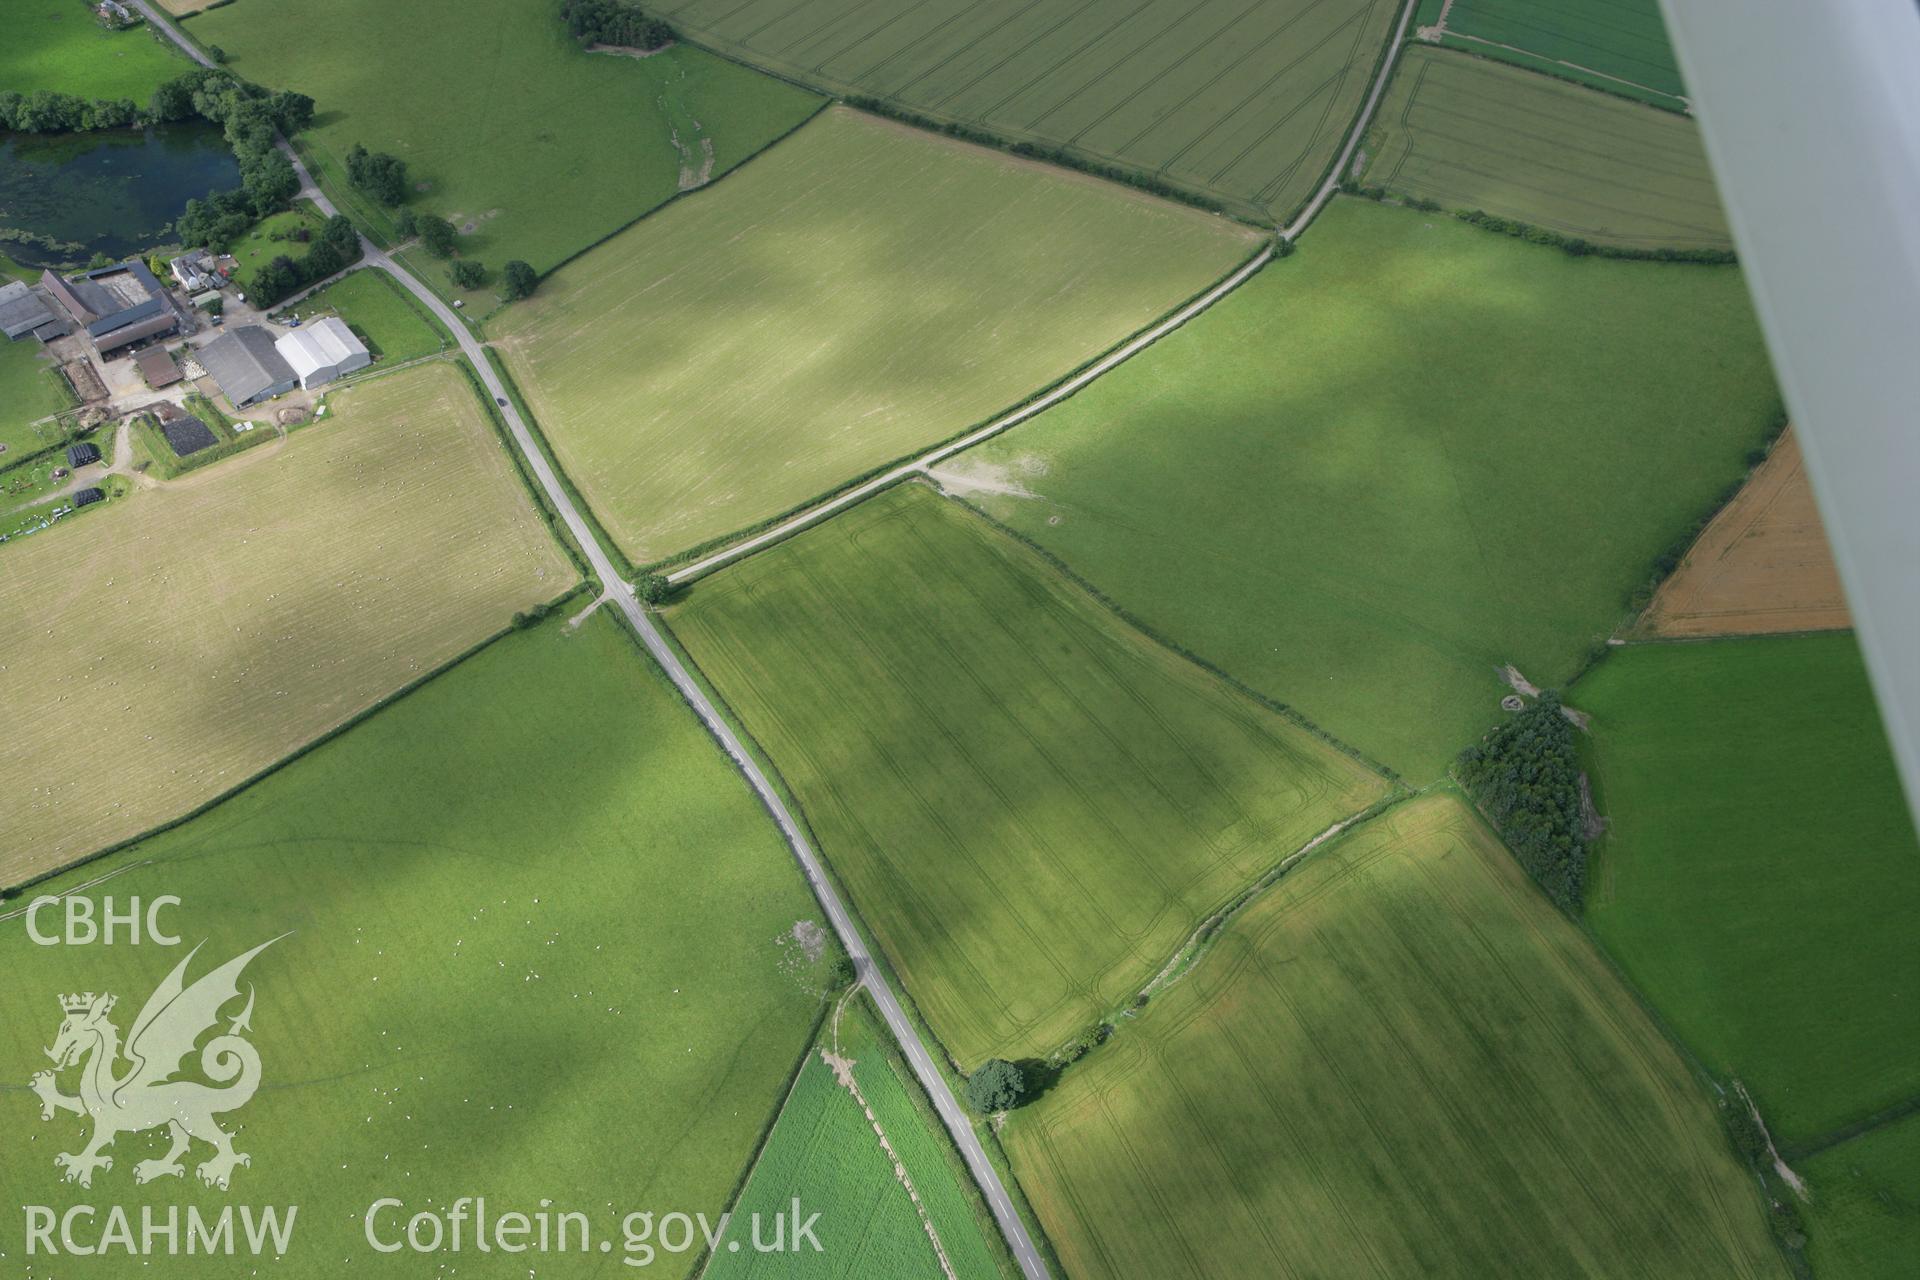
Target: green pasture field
(1864, 1217)
(1618, 45)
(538, 947)
(394, 326)
(1760, 879)
(1476, 134)
(272, 237)
(531, 146)
(1401, 1060)
(59, 45)
(860, 292)
(824, 1152)
(1244, 104)
(213, 624)
(1390, 463)
(1033, 805)
(31, 388)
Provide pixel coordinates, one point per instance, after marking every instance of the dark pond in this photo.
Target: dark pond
(65, 197)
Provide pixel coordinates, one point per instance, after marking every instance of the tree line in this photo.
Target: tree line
(1574, 245)
(336, 248)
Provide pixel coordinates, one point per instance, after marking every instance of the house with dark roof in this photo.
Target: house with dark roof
(246, 365)
(117, 305)
(87, 497)
(84, 454)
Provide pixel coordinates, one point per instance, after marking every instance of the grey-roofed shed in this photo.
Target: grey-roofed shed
(22, 311)
(243, 361)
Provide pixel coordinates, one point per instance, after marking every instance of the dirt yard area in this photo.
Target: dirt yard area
(1762, 566)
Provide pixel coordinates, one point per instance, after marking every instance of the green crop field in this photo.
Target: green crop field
(1617, 45)
(1474, 134)
(1398, 1061)
(861, 291)
(505, 975)
(531, 146)
(59, 45)
(1246, 104)
(824, 1153)
(1864, 1217)
(208, 626)
(386, 317)
(1408, 454)
(1032, 805)
(968, 1234)
(1761, 879)
(30, 389)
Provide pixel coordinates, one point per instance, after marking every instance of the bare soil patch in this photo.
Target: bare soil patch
(1762, 566)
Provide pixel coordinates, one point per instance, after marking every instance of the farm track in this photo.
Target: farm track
(1106, 364)
(621, 593)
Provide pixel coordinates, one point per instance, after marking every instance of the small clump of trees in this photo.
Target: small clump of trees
(998, 1085)
(382, 176)
(612, 22)
(436, 234)
(1525, 776)
(468, 273)
(517, 280)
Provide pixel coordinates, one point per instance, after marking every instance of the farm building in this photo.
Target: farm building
(157, 366)
(323, 351)
(247, 366)
(117, 305)
(25, 310)
(83, 454)
(87, 497)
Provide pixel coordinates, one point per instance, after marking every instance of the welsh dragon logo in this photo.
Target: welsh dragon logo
(146, 1096)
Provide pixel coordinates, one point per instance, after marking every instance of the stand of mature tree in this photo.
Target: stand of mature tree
(1525, 776)
(380, 175)
(612, 22)
(336, 248)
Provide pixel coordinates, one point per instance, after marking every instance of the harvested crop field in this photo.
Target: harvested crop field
(203, 629)
(505, 975)
(1762, 566)
(859, 292)
(1760, 878)
(1388, 465)
(1032, 805)
(533, 147)
(1475, 134)
(1398, 1061)
(1617, 45)
(1243, 103)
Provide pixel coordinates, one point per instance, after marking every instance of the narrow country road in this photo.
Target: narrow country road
(621, 594)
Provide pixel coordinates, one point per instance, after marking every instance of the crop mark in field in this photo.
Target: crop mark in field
(842, 1068)
(1574, 66)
